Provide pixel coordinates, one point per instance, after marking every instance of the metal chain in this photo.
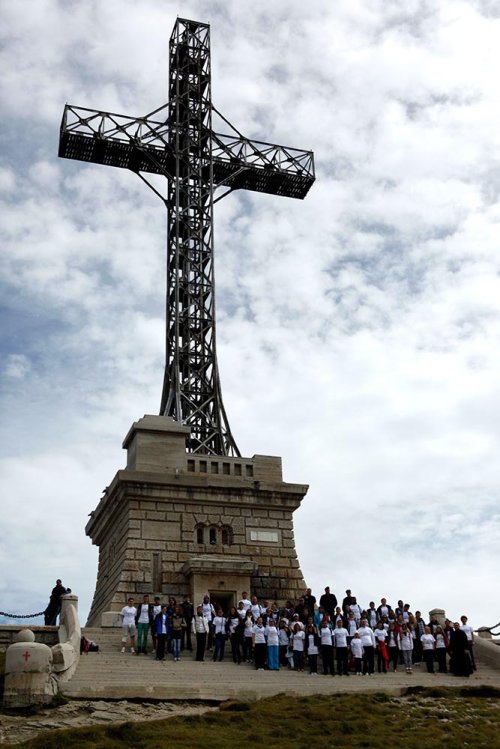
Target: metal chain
(21, 616)
(489, 629)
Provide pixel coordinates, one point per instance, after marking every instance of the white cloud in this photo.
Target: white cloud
(17, 366)
(357, 330)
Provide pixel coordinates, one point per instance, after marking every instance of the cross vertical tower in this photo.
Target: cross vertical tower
(191, 390)
(182, 146)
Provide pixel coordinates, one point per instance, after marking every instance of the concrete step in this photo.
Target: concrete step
(113, 675)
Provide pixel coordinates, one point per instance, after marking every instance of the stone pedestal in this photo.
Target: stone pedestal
(439, 614)
(28, 679)
(174, 522)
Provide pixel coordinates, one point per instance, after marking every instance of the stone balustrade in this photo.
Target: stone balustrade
(33, 670)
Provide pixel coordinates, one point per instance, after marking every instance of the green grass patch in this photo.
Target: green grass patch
(426, 719)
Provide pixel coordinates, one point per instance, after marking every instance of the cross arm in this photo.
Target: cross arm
(139, 143)
(240, 163)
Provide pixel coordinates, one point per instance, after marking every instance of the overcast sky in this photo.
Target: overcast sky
(358, 330)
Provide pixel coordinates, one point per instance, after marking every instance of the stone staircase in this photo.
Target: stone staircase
(110, 674)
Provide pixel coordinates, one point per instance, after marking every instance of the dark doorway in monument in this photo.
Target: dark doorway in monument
(223, 598)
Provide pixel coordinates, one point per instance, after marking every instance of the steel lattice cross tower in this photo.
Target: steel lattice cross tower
(177, 141)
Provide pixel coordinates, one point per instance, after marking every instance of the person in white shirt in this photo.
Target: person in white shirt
(428, 646)
(383, 609)
(283, 642)
(272, 637)
(356, 609)
(326, 643)
(219, 625)
(469, 631)
(256, 609)
(208, 613)
(441, 648)
(371, 615)
(259, 644)
(340, 639)
(200, 628)
(311, 645)
(392, 646)
(242, 611)
(143, 620)
(245, 601)
(128, 614)
(369, 642)
(298, 638)
(248, 637)
(380, 633)
(357, 651)
(405, 644)
(351, 627)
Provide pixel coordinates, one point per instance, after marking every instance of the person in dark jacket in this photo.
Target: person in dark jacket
(460, 663)
(161, 628)
(310, 601)
(188, 614)
(54, 608)
(328, 601)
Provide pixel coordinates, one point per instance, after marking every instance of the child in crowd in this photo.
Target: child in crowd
(357, 652)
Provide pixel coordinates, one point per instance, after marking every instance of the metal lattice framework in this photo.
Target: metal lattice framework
(177, 142)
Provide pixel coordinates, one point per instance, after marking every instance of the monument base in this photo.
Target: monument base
(174, 522)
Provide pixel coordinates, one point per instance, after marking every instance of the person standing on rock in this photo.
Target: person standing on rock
(200, 628)
(128, 614)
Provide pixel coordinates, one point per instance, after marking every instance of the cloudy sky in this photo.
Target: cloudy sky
(358, 330)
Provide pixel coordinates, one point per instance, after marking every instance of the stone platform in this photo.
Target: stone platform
(110, 674)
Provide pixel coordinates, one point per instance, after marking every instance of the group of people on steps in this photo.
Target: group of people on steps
(342, 639)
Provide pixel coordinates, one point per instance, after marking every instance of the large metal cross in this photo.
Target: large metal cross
(177, 141)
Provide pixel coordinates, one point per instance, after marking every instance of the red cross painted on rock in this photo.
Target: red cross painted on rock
(26, 655)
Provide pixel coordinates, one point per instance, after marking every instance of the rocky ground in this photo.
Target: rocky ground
(15, 729)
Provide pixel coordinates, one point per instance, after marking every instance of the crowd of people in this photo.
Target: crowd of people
(307, 634)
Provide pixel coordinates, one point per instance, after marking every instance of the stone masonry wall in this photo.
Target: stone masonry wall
(163, 520)
(169, 507)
